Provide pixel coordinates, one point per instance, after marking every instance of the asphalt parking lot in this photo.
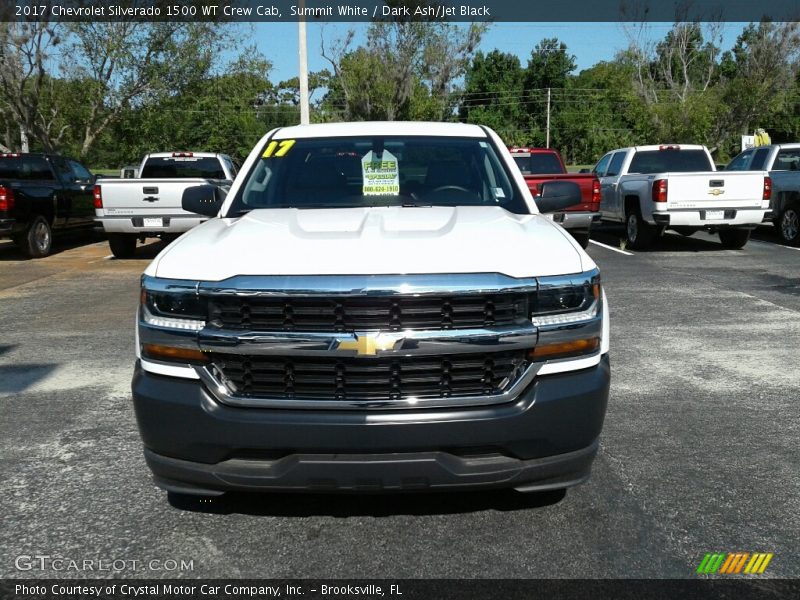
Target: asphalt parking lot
(699, 452)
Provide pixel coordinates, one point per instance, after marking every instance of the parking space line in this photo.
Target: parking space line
(620, 250)
(773, 244)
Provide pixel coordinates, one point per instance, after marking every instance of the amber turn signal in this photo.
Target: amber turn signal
(172, 354)
(564, 349)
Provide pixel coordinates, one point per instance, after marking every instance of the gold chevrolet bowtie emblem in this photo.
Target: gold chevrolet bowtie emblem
(716, 192)
(368, 344)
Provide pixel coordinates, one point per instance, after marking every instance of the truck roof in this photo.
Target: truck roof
(526, 150)
(405, 128)
(790, 146)
(665, 147)
(184, 153)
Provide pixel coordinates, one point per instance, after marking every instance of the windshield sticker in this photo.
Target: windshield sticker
(499, 193)
(278, 149)
(381, 174)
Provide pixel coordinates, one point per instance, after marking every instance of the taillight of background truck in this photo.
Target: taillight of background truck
(767, 188)
(596, 191)
(98, 197)
(660, 190)
(6, 198)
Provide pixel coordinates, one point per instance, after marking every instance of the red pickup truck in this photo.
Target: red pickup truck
(544, 164)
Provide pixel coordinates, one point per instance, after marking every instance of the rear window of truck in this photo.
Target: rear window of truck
(25, 168)
(178, 167)
(670, 161)
(539, 164)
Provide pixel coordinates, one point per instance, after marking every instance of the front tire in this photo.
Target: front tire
(640, 234)
(122, 245)
(788, 225)
(734, 239)
(37, 240)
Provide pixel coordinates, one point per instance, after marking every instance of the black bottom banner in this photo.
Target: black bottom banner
(398, 589)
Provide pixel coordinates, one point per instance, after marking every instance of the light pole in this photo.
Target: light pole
(303, 74)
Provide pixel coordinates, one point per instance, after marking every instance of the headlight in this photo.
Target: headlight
(568, 314)
(172, 304)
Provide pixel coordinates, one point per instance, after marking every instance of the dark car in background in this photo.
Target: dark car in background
(43, 194)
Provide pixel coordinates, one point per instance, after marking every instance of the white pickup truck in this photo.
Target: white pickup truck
(373, 307)
(135, 209)
(653, 188)
(783, 163)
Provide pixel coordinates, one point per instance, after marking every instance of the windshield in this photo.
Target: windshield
(177, 167)
(670, 161)
(539, 164)
(349, 172)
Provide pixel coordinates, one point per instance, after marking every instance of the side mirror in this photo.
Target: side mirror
(585, 170)
(203, 199)
(557, 195)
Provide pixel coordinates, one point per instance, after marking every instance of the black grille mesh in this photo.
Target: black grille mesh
(354, 378)
(369, 313)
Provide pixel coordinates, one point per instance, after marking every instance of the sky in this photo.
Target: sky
(589, 42)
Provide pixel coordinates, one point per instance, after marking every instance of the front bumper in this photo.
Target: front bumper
(545, 439)
(576, 220)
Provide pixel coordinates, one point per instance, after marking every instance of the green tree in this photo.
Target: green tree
(227, 113)
(549, 66)
(760, 87)
(493, 88)
(400, 60)
(599, 110)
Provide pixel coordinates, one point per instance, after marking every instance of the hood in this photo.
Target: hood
(372, 241)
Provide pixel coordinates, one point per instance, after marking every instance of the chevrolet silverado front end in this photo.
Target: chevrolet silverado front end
(421, 329)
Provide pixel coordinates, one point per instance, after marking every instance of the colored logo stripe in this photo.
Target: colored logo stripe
(758, 564)
(732, 563)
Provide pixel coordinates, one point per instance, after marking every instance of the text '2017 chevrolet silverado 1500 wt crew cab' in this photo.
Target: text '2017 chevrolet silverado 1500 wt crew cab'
(135, 209)
(653, 188)
(782, 161)
(41, 194)
(375, 307)
(539, 165)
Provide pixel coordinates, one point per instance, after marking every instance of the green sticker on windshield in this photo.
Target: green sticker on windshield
(381, 174)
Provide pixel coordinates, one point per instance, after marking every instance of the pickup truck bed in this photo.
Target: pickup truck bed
(132, 209)
(146, 207)
(576, 219)
(653, 188)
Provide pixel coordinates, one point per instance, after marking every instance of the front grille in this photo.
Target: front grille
(353, 378)
(386, 313)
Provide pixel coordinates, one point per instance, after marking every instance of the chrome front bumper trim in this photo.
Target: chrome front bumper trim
(401, 343)
(367, 285)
